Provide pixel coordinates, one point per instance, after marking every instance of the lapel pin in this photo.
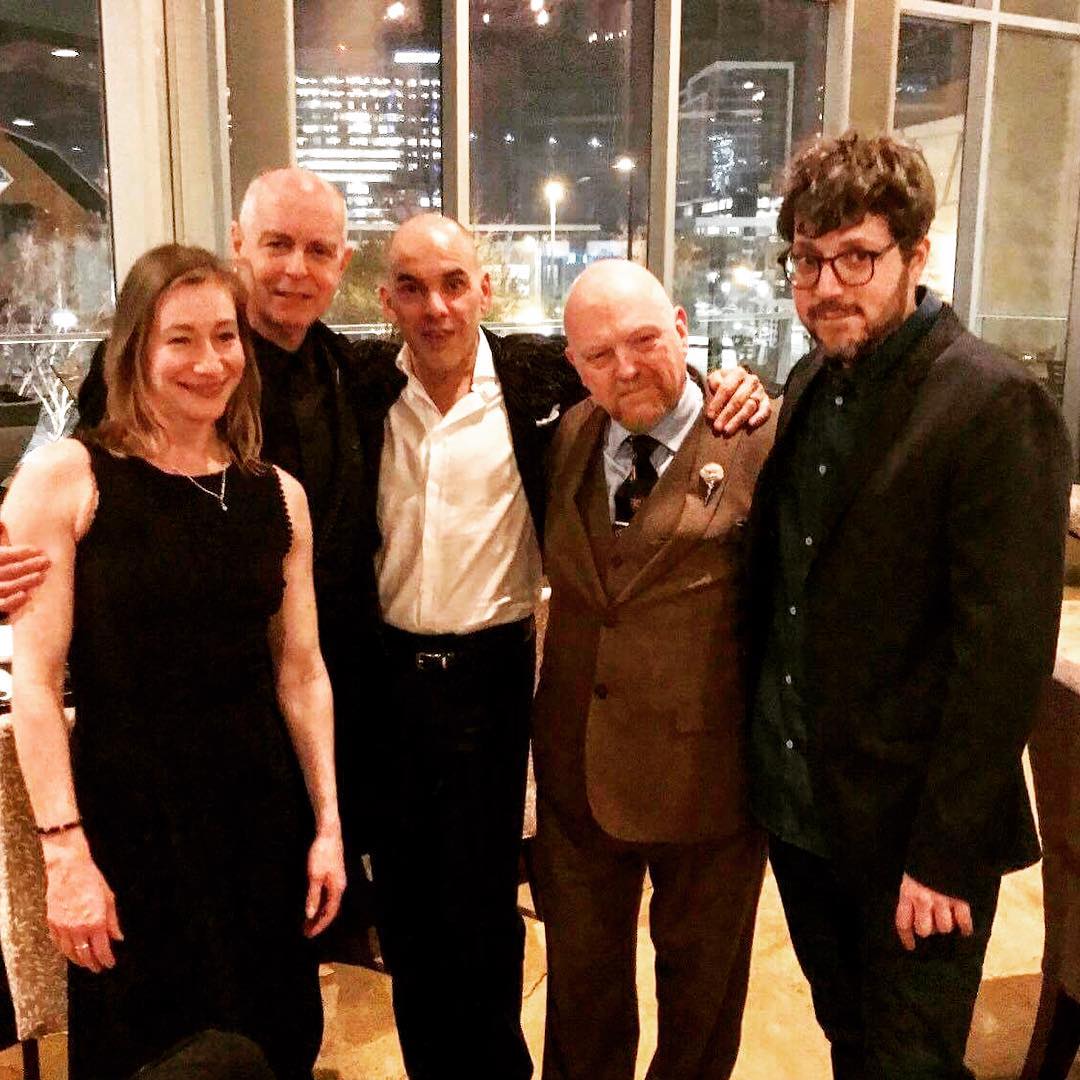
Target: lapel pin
(711, 475)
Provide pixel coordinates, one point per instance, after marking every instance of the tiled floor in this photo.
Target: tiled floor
(780, 1038)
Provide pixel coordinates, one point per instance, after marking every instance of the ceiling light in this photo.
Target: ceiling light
(65, 54)
(21, 121)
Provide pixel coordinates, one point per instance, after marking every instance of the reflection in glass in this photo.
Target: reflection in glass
(559, 100)
(56, 280)
(931, 102)
(751, 89)
(368, 119)
(1032, 198)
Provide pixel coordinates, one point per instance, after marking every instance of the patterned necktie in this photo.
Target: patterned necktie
(633, 491)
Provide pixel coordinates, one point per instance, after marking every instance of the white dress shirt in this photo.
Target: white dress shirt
(459, 548)
(669, 431)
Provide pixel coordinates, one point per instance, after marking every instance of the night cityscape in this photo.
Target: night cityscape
(559, 133)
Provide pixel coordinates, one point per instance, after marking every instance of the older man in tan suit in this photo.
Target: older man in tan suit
(639, 714)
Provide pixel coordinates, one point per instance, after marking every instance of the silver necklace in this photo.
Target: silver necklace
(219, 495)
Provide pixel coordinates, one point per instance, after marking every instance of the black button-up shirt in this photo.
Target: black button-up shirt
(837, 410)
(306, 429)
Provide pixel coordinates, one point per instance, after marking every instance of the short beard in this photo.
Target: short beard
(894, 318)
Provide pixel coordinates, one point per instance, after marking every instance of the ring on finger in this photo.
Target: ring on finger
(84, 947)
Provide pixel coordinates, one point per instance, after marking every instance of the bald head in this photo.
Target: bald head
(290, 244)
(435, 293)
(609, 283)
(627, 341)
(291, 184)
(427, 233)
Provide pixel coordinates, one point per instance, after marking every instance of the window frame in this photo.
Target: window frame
(987, 19)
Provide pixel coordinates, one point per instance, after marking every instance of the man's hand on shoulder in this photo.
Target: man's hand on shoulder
(737, 400)
(22, 570)
(921, 912)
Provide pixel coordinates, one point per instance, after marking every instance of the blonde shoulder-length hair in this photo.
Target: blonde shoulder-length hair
(130, 426)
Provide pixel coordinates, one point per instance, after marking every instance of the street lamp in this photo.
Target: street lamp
(554, 190)
(626, 166)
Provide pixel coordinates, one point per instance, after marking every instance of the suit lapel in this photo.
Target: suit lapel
(580, 558)
(798, 383)
(677, 512)
(347, 448)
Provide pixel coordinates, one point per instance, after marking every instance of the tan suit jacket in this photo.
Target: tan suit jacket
(639, 716)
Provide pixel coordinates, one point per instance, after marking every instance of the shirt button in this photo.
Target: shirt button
(600, 690)
(823, 469)
(609, 621)
(793, 610)
(839, 399)
(787, 679)
(809, 541)
(790, 745)
(616, 562)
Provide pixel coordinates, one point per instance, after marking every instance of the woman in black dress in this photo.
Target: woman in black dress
(187, 866)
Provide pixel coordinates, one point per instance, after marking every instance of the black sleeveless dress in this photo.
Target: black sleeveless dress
(192, 797)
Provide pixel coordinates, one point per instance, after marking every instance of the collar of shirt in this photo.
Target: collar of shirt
(669, 431)
(280, 363)
(459, 548)
(484, 381)
(880, 361)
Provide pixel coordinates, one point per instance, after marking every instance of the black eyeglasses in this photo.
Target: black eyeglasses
(855, 267)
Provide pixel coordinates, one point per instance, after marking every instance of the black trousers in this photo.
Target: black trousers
(889, 1014)
(701, 918)
(452, 764)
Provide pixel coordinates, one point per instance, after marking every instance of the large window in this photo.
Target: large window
(931, 102)
(1033, 198)
(56, 287)
(560, 98)
(751, 88)
(368, 119)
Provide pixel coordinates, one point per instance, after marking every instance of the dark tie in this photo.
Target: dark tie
(633, 491)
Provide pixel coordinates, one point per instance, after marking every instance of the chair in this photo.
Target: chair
(37, 973)
(1055, 764)
(1055, 374)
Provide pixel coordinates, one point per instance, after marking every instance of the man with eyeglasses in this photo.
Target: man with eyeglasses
(907, 549)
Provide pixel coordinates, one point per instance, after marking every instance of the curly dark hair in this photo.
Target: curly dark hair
(834, 183)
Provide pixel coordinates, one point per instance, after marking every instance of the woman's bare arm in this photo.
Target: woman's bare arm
(303, 690)
(49, 507)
